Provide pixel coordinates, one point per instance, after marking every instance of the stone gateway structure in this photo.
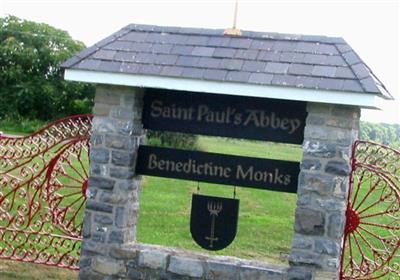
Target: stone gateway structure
(323, 73)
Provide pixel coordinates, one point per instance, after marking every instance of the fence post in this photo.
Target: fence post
(322, 192)
(113, 192)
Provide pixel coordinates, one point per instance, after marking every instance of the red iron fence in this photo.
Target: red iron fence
(372, 233)
(43, 181)
(44, 177)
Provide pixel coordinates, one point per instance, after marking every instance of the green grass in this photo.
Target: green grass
(259, 149)
(11, 270)
(265, 219)
(20, 127)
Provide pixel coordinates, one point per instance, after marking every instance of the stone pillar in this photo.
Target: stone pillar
(322, 192)
(113, 192)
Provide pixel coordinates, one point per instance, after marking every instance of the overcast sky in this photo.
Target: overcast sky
(371, 27)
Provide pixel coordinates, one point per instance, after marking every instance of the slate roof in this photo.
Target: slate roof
(314, 62)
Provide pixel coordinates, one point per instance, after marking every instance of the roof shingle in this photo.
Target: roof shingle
(290, 60)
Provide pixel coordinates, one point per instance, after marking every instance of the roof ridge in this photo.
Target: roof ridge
(345, 60)
(378, 82)
(246, 34)
(77, 58)
(368, 87)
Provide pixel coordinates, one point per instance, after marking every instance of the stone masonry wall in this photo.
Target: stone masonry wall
(139, 261)
(109, 247)
(113, 192)
(322, 193)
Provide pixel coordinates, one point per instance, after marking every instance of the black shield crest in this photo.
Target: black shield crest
(213, 221)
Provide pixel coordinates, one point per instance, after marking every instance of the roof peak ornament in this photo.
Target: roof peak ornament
(234, 31)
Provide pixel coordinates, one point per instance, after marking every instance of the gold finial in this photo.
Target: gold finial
(234, 31)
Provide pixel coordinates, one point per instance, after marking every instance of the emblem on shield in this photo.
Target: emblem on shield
(213, 221)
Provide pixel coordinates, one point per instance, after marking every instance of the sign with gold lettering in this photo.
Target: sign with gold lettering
(252, 172)
(225, 115)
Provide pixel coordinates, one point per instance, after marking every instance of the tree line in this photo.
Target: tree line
(31, 80)
(388, 134)
(32, 87)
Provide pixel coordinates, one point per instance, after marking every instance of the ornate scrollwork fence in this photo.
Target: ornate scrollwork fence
(372, 233)
(43, 181)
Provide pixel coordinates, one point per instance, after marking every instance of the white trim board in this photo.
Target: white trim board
(363, 100)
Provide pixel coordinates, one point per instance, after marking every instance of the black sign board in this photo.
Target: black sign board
(213, 221)
(225, 115)
(252, 172)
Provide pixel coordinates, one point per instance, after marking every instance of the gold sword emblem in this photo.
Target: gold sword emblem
(214, 208)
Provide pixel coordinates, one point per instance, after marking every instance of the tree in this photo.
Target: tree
(388, 134)
(31, 82)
